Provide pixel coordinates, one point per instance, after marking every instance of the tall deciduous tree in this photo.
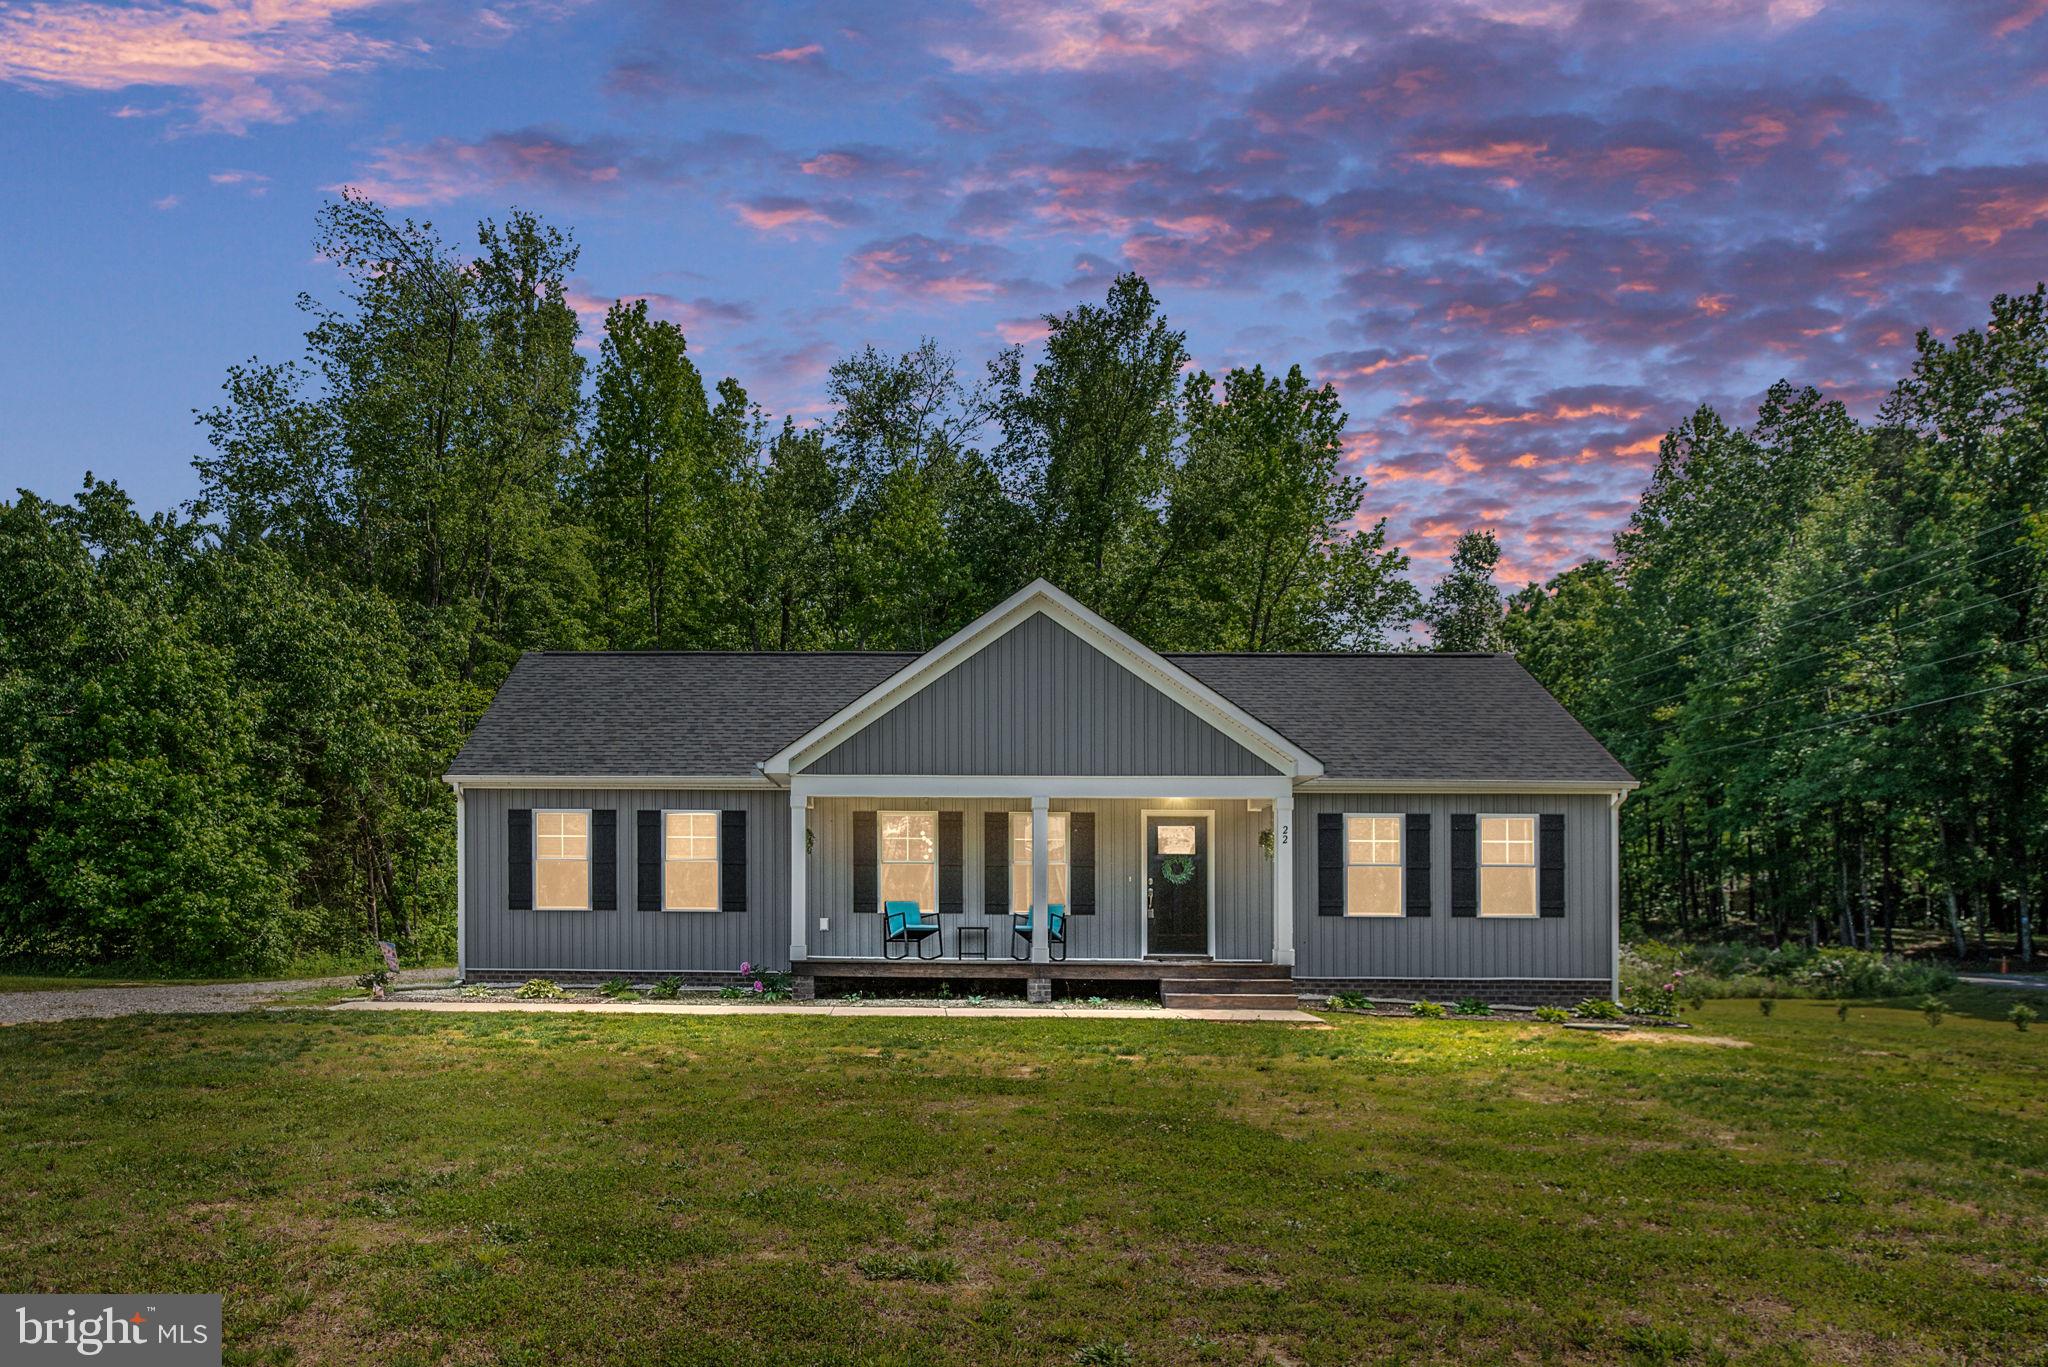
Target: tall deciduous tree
(1464, 611)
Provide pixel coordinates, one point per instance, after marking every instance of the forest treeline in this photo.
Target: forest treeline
(225, 726)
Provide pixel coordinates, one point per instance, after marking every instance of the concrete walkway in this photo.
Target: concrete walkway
(144, 999)
(723, 1008)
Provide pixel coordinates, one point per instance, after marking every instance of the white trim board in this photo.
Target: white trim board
(709, 781)
(1531, 787)
(1034, 598)
(1033, 785)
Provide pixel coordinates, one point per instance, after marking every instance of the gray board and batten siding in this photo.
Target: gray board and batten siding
(1578, 946)
(628, 941)
(1040, 700)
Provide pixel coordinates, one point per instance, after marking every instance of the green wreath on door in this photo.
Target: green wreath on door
(1177, 869)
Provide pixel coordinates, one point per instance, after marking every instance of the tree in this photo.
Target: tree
(1087, 443)
(1273, 559)
(642, 485)
(1464, 610)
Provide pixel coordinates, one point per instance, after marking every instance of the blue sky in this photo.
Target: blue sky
(1522, 238)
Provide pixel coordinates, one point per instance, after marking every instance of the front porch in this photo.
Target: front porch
(1191, 983)
(1139, 875)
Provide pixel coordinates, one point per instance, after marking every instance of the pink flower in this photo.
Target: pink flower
(758, 987)
(745, 967)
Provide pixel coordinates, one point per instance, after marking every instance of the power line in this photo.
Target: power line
(1860, 716)
(1854, 602)
(1800, 693)
(1810, 655)
(1849, 582)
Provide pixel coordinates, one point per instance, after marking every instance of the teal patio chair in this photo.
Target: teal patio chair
(1055, 933)
(903, 925)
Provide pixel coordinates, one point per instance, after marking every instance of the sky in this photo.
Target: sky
(1522, 237)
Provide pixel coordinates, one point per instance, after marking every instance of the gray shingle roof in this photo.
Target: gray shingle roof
(1368, 718)
(679, 714)
(1413, 716)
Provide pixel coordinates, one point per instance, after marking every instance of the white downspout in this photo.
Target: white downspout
(1614, 802)
(799, 876)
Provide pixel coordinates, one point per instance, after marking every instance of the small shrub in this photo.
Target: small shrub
(667, 990)
(1552, 1015)
(1472, 1006)
(540, 990)
(758, 984)
(853, 998)
(476, 991)
(1351, 1001)
(1097, 1001)
(1934, 1008)
(930, 1268)
(1598, 1009)
(1767, 1004)
(1428, 1010)
(2022, 1015)
(976, 999)
(619, 990)
(1842, 1011)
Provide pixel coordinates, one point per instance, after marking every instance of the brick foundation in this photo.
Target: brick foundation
(1496, 991)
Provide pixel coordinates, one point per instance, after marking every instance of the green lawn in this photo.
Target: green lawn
(544, 1189)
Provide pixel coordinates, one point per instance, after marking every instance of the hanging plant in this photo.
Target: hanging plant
(1266, 842)
(1178, 870)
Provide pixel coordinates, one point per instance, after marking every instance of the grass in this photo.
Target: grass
(70, 980)
(504, 1188)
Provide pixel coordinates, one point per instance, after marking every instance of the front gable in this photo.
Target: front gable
(1041, 686)
(1039, 700)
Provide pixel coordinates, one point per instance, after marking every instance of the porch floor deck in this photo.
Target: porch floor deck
(1180, 982)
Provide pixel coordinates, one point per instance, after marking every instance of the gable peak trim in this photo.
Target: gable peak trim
(1041, 598)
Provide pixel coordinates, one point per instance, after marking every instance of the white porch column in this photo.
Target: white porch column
(1283, 879)
(799, 875)
(1041, 930)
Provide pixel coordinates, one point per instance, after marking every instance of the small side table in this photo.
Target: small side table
(980, 942)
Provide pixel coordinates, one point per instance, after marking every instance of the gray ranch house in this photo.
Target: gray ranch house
(1042, 798)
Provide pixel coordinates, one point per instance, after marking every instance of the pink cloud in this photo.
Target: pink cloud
(915, 266)
(791, 54)
(244, 61)
(449, 169)
(789, 213)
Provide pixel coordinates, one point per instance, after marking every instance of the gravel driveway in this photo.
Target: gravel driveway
(18, 1008)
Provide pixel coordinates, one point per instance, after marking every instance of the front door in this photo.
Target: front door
(1177, 884)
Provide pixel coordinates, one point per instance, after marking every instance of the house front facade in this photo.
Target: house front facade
(1042, 797)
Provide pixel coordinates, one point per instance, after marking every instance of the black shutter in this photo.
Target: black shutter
(865, 876)
(519, 859)
(952, 882)
(647, 856)
(732, 859)
(1415, 846)
(1550, 864)
(604, 859)
(995, 863)
(1330, 864)
(1081, 864)
(1464, 864)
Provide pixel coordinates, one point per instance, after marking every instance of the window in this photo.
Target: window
(1507, 866)
(1020, 861)
(561, 861)
(689, 857)
(910, 858)
(1372, 865)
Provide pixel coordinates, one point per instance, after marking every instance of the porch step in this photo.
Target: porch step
(1209, 970)
(1230, 1001)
